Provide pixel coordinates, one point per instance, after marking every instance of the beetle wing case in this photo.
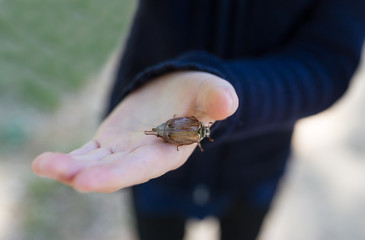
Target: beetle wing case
(182, 130)
(184, 124)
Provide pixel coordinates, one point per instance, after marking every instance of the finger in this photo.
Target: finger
(126, 170)
(59, 166)
(94, 155)
(87, 147)
(217, 98)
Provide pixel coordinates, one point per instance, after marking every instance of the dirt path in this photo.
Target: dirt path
(37, 208)
(323, 196)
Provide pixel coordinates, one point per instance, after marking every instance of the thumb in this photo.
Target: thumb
(217, 98)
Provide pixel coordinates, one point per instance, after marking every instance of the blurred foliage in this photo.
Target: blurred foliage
(15, 136)
(50, 47)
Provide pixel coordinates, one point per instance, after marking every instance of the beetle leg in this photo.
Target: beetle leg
(209, 125)
(177, 147)
(200, 146)
(193, 118)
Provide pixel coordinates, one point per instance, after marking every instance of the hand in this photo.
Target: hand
(120, 154)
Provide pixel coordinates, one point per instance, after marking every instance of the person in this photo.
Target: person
(253, 68)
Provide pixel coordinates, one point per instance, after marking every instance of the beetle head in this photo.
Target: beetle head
(206, 132)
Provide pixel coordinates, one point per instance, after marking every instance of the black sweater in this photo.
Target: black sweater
(286, 59)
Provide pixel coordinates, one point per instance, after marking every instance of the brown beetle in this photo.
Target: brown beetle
(182, 131)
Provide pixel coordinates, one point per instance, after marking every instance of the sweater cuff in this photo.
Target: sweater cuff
(193, 60)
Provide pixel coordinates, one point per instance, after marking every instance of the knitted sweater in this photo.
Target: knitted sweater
(286, 60)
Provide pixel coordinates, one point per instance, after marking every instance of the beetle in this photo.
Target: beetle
(182, 131)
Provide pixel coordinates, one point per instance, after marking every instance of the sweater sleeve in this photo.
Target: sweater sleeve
(302, 78)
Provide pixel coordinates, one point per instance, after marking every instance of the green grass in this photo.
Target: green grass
(48, 48)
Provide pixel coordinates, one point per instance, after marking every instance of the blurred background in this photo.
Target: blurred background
(56, 65)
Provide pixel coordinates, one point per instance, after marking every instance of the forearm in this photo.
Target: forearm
(302, 76)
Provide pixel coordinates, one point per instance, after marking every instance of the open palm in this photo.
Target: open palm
(120, 154)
